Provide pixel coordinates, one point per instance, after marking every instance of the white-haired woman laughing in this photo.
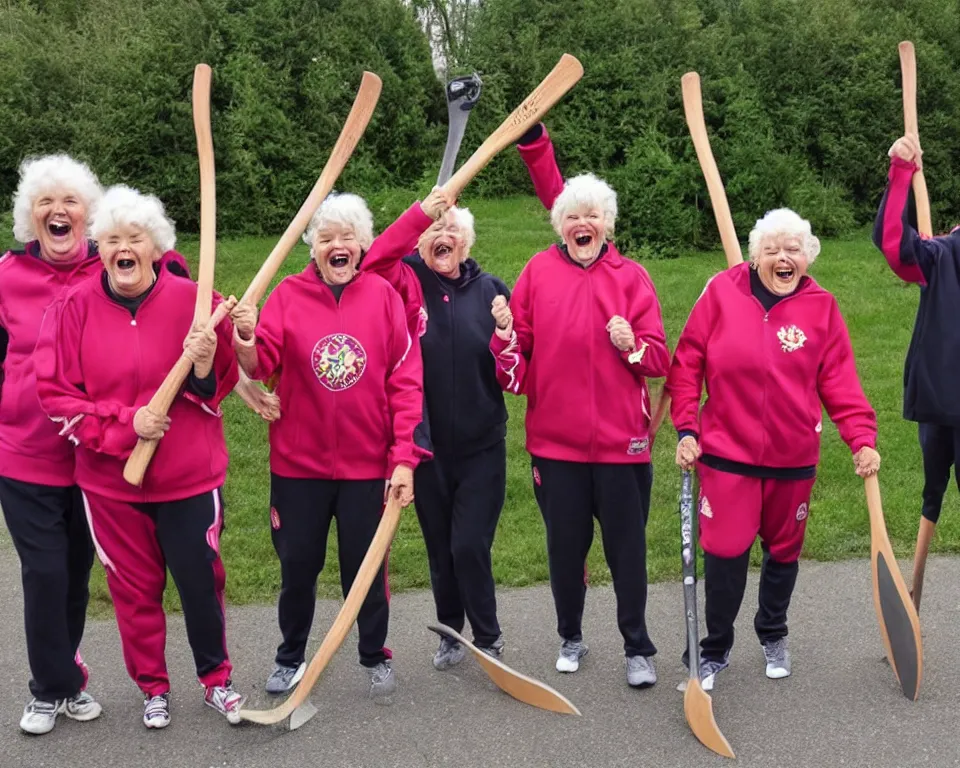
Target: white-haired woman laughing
(770, 345)
(350, 393)
(105, 348)
(52, 208)
(579, 337)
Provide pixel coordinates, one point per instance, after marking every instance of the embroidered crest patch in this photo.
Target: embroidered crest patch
(705, 509)
(274, 519)
(637, 445)
(339, 361)
(791, 338)
(802, 512)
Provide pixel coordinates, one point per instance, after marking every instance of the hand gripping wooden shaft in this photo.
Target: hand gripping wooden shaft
(136, 466)
(360, 114)
(561, 79)
(908, 70)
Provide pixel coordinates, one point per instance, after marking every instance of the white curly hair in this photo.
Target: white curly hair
(47, 174)
(122, 205)
(347, 210)
(784, 221)
(585, 191)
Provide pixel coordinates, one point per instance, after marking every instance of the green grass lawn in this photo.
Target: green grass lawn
(879, 310)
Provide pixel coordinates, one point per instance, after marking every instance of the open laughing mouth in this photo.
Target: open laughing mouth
(58, 228)
(442, 250)
(339, 260)
(126, 264)
(784, 273)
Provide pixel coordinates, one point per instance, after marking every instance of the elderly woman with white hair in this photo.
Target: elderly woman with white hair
(104, 349)
(579, 337)
(350, 401)
(41, 503)
(770, 345)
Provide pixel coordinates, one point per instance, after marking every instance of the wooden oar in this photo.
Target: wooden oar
(899, 622)
(518, 685)
(298, 707)
(696, 123)
(908, 70)
(697, 704)
(560, 80)
(357, 121)
(136, 466)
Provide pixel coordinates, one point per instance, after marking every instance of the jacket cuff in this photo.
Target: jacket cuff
(899, 162)
(682, 433)
(864, 441)
(498, 345)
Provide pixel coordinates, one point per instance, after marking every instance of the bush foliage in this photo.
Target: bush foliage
(802, 101)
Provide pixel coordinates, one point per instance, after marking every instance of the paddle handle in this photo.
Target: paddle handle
(561, 79)
(688, 557)
(202, 76)
(908, 71)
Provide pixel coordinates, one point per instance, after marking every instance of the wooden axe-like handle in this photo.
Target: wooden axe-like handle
(693, 109)
(136, 466)
(561, 79)
(908, 70)
(208, 193)
(360, 114)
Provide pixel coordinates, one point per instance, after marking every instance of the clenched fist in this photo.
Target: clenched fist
(150, 425)
(688, 451)
(437, 203)
(908, 148)
(503, 317)
(866, 461)
(200, 347)
(244, 316)
(401, 484)
(621, 334)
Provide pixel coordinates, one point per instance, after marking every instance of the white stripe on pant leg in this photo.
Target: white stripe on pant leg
(107, 562)
(213, 532)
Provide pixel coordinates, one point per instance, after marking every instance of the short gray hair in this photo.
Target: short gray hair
(783, 221)
(345, 210)
(45, 174)
(585, 191)
(122, 205)
(464, 219)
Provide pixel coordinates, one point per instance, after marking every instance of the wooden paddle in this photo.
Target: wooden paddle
(357, 121)
(696, 123)
(908, 69)
(561, 79)
(521, 687)
(136, 466)
(899, 622)
(298, 707)
(697, 704)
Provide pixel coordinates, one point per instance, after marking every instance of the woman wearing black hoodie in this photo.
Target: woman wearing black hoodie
(461, 492)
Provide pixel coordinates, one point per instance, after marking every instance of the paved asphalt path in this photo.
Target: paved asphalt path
(842, 706)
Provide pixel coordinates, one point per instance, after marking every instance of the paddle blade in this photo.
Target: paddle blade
(302, 714)
(698, 709)
(519, 686)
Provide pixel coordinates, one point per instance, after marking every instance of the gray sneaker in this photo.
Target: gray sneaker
(495, 649)
(640, 672)
(383, 681)
(708, 672)
(82, 707)
(778, 658)
(283, 679)
(570, 654)
(449, 654)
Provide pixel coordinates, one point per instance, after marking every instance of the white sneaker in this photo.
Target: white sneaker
(570, 654)
(225, 700)
(778, 659)
(39, 717)
(640, 672)
(156, 711)
(82, 707)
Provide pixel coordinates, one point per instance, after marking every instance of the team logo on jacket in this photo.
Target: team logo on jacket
(802, 512)
(274, 519)
(536, 477)
(791, 339)
(637, 445)
(705, 509)
(339, 361)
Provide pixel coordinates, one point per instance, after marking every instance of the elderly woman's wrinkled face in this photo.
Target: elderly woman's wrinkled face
(128, 253)
(583, 232)
(60, 221)
(781, 263)
(337, 252)
(444, 247)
